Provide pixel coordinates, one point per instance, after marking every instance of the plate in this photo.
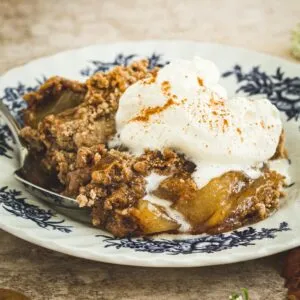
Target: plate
(243, 72)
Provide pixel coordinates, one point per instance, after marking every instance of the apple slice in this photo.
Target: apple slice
(152, 218)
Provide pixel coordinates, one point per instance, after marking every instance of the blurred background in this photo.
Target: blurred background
(33, 28)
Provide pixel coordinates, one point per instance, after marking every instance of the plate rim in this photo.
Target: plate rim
(161, 262)
(131, 259)
(158, 41)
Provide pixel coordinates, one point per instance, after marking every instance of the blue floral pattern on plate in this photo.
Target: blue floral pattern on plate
(203, 244)
(12, 97)
(13, 202)
(5, 141)
(155, 60)
(281, 90)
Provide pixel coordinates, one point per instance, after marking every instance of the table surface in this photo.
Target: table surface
(34, 28)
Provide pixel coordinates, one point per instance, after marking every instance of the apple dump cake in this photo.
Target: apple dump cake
(162, 150)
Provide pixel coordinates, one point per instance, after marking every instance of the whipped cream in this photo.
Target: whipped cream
(186, 109)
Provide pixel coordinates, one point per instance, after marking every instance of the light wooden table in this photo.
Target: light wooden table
(33, 28)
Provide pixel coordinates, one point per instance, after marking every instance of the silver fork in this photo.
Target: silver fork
(23, 154)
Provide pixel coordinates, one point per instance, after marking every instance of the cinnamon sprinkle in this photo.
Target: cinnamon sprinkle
(262, 123)
(200, 81)
(165, 87)
(213, 102)
(225, 124)
(146, 113)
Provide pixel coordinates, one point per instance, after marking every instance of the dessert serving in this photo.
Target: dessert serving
(162, 150)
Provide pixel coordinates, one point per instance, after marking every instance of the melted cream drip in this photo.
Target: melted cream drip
(205, 171)
(153, 181)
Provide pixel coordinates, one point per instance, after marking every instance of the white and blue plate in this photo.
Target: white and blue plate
(243, 72)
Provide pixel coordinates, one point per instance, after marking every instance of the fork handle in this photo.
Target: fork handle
(15, 130)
